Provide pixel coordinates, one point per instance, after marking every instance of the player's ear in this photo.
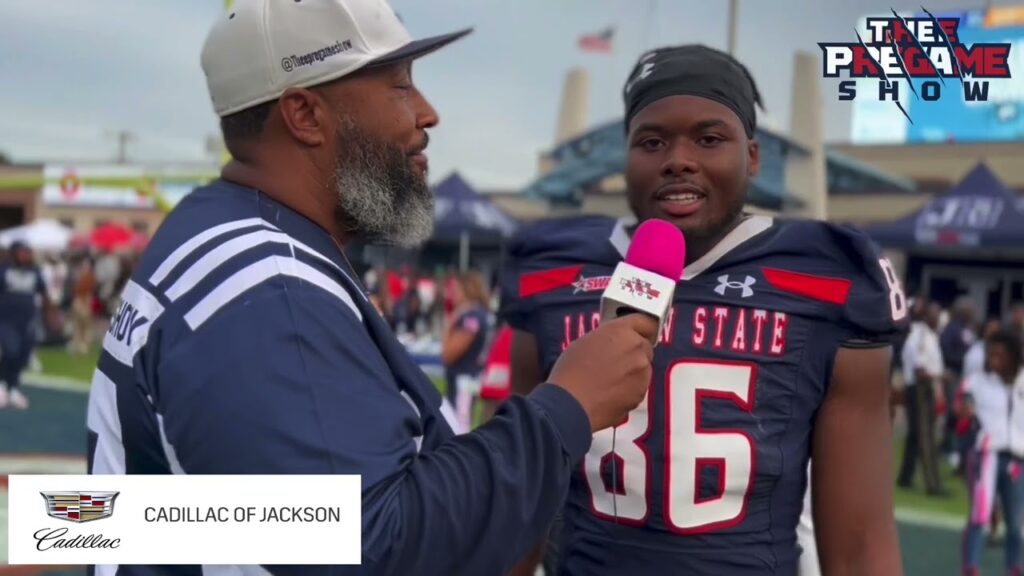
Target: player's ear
(753, 158)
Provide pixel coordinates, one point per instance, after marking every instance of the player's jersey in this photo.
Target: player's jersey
(707, 475)
(19, 288)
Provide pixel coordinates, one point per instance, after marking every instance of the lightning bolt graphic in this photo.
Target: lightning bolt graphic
(945, 38)
(885, 76)
(919, 45)
(902, 64)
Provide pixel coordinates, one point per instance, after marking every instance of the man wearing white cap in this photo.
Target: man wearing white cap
(244, 345)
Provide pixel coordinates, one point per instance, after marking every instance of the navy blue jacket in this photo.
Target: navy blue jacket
(243, 345)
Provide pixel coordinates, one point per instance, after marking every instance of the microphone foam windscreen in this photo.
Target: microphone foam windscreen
(658, 247)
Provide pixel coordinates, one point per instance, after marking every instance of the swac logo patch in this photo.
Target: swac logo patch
(591, 284)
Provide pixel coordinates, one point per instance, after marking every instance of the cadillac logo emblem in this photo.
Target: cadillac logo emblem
(79, 506)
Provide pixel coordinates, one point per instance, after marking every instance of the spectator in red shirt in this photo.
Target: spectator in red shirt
(496, 385)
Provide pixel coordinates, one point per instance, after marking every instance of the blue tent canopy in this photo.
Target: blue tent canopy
(461, 211)
(978, 212)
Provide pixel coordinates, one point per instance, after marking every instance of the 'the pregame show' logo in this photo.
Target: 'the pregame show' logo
(925, 48)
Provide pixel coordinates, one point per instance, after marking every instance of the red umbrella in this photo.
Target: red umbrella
(112, 237)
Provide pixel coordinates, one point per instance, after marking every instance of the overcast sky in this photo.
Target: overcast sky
(76, 71)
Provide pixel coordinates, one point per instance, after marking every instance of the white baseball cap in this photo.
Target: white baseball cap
(263, 47)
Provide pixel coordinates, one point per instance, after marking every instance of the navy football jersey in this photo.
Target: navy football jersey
(708, 474)
(19, 290)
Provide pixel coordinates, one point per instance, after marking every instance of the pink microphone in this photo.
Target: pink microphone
(659, 247)
(646, 281)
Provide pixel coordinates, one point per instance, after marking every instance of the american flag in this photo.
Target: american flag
(600, 42)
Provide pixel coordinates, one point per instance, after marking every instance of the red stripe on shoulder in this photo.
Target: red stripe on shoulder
(534, 283)
(823, 288)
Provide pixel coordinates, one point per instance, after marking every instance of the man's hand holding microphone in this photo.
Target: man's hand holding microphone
(609, 370)
(495, 491)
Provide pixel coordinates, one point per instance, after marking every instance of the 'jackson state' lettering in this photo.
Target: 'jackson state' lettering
(578, 324)
(740, 330)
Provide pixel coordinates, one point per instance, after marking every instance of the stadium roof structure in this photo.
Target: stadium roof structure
(847, 174)
(583, 162)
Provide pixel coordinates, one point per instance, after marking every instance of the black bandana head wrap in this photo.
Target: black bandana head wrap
(692, 70)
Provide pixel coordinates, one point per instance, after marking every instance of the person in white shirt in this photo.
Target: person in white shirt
(805, 535)
(1016, 319)
(995, 399)
(974, 360)
(923, 373)
(974, 363)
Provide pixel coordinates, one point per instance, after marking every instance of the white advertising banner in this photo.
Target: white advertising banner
(67, 185)
(182, 519)
(111, 185)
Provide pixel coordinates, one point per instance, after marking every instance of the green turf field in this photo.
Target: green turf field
(955, 505)
(57, 361)
(48, 438)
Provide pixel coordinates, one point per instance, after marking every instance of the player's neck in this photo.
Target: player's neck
(297, 191)
(698, 246)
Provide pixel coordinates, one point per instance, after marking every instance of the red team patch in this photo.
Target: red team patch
(823, 288)
(534, 283)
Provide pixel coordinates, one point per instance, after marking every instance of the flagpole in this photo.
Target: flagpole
(652, 9)
(733, 25)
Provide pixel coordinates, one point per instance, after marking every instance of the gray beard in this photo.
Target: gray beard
(380, 198)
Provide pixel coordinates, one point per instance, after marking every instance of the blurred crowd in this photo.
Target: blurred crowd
(447, 321)
(942, 350)
(54, 299)
(83, 288)
(962, 391)
(417, 303)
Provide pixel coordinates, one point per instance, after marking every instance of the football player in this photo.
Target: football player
(776, 351)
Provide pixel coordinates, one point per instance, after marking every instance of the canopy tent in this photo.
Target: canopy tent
(977, 212)
(462, 215)
(111, 237)
(45, 235)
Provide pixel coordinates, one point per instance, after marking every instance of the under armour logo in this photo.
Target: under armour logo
(724, 284)
(646, 71)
